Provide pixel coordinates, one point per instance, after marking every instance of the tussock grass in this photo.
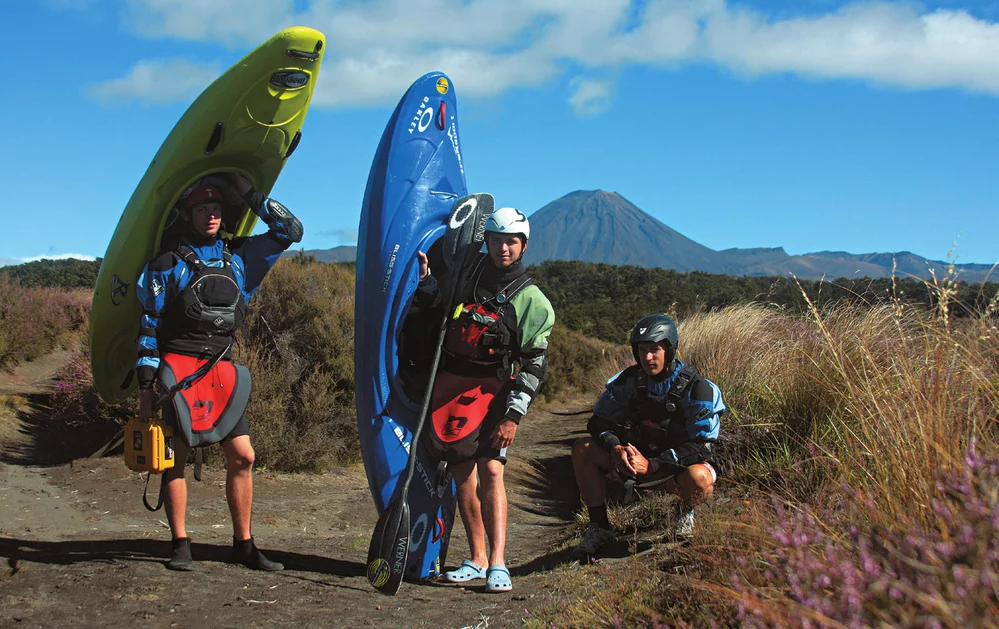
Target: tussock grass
(860, 481)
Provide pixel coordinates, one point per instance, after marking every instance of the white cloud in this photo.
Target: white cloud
(591, 96)
(375, 49)
(229, 22)
(382, 77)
(886, 43)
(159, 81)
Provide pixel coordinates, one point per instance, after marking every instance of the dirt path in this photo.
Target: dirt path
(34, 376)
(81, 550)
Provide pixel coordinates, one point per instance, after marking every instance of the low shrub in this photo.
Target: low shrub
(579, 365)
(851, 572)
(298, 342)
(34, 321)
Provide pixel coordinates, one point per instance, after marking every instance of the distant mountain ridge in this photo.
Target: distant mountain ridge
(604, 227)
(343, 253)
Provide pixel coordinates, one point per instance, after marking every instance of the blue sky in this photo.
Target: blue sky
(812, 125)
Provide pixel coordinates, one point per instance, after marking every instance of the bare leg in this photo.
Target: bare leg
(470, 509)
(239, 483)
(695, 485)
(176, 490)
(494, 508)
(590, 464)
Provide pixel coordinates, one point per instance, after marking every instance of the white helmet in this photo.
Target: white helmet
(509, 220)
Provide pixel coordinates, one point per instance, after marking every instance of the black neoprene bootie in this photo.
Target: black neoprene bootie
(181, 557)
(244, 551)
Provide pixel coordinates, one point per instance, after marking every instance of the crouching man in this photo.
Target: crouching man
(654, 426)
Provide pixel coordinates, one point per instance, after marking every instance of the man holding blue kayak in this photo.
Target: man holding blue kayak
(501, 318)
(194, 295)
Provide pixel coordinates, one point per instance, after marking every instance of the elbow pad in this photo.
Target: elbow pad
(603, 432)
(279, 217)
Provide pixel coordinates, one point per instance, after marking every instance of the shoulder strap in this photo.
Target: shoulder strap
(525, 282)
(195, 263)
(642, 384)
(682, 382)
(190, 258)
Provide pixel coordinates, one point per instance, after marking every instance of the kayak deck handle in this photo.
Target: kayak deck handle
(215, 139)
(294, 144)
(128, 379)
(301, 54)
(441, 116)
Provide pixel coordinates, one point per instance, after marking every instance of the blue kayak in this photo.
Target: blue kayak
(415, 178)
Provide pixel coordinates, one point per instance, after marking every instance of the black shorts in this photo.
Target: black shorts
(486, 449)
(241, 428)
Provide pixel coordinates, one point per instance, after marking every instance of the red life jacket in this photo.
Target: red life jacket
(476, 331)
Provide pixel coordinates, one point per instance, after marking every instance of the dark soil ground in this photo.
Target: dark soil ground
(80, 550)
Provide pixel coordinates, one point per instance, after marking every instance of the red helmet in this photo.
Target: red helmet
(203, 194)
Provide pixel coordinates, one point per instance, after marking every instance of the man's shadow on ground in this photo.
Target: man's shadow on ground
(18, 551)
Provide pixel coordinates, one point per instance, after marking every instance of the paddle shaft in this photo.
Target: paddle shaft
(411, 463)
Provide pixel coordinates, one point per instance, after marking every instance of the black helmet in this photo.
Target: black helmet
(655, 328)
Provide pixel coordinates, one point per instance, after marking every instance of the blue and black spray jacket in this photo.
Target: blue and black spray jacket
(674, 422)
(164, 279)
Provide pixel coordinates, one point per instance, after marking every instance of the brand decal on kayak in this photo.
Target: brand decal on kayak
(289, 80)
(417, 533)
(388, 269)
(452, 133)
(423, 116)
(442, 85)
(118, 289)
(426, 479)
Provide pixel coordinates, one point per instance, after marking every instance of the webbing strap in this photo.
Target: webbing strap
(196, 264)
(159, 501)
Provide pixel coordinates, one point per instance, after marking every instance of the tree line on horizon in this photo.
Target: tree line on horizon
(45, 273)
(604, 300)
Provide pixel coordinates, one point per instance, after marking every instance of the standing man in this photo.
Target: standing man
(194, 299)
(477, 404)
(656, 423)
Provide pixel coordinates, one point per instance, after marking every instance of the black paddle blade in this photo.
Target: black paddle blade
(466, 228)
(389, 548)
